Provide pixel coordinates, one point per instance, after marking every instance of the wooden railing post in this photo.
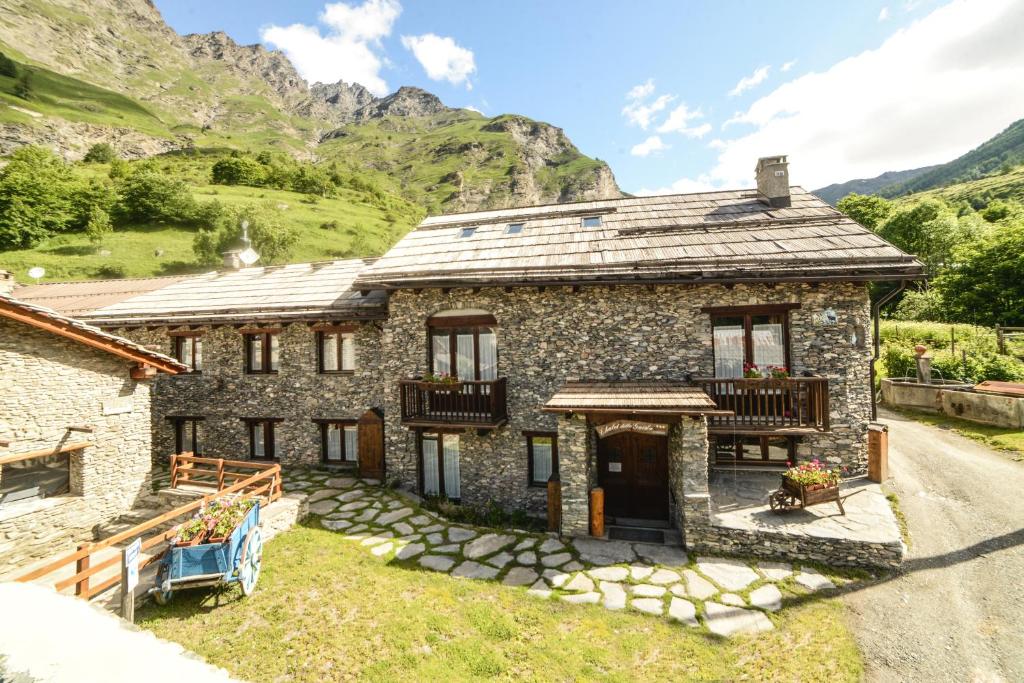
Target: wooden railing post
(174, 470)
(220, 473)
(82, 586)
(554, 503)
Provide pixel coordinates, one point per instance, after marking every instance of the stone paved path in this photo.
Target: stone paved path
(725, 596)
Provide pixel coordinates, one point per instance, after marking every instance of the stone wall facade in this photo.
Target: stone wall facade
(545, 337)
(223, 393)
(46, 384)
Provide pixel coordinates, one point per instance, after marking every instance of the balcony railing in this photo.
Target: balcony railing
(794, 403)
(473, 404)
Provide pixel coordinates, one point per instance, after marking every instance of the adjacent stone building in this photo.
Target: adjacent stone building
(75, 439)
(630, 344)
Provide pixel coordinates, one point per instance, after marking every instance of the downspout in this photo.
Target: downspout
(875, 310)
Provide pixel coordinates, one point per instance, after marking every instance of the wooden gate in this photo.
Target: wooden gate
(371, 445)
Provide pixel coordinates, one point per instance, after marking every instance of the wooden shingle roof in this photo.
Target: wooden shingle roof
(712, 236)
(654, 396)
(301, 291)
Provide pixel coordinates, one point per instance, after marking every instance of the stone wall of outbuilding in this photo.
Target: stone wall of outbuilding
(46, 384)
(222, 393)
(545, 336)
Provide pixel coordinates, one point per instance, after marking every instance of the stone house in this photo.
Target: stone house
(75, 438)
(604, 342)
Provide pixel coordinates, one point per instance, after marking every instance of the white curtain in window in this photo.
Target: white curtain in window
(198, 361)
(186, 351)
(256, 353)
(431, 477)
(333, 442)
(348, 351)
(442, 353)
(452, 484)
(351, 442)
(329, 352)
(541, 458)
(274, 352)
(488, 355)
(465, 366)
(728, 350)
(768, 346)
(259, 440)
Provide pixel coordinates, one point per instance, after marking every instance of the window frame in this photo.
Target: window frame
(269, 437)
(515, 228)
(269, 338)
(195, 340)
(339, 331)
(530, 436)
(467, 232)
(584, 219)
(791, 447)
(748, 313)
(462, 324)
(178, 422)
(324, 424)
(438, 435)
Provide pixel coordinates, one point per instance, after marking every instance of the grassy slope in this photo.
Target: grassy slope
(998, 186)
(327, 610)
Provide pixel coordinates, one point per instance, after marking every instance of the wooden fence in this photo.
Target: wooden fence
(265, 483)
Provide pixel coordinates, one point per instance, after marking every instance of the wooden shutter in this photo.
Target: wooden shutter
(371, 445)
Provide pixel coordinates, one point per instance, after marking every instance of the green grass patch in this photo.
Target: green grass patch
(999, 438)
(325, 609)
(901, 519)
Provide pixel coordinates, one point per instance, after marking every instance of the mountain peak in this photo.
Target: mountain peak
(406, 101)
(247, 61)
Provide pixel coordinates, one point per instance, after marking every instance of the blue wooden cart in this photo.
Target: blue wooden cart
(237, 559)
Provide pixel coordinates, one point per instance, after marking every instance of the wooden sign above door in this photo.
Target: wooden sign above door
(619, 426)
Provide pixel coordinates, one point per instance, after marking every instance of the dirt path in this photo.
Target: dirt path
(956, 611)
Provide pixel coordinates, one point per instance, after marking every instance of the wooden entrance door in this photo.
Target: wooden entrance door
(633, 471)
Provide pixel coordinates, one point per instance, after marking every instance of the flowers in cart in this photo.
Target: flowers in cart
(813, 475)
(213, 523)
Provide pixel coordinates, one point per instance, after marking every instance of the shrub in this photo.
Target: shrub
(267, 230)
(98, 226)
(100, 153)
(23, 87)
(8, 67)
(898, 361)
(34, 197)
(148, 196)
(238, 171)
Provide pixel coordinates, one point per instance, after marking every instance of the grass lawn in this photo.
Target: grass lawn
(999, 438)
(325, 609)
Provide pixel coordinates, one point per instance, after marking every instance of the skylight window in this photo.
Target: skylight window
(591, 221)
(514, 228)
(467, 232)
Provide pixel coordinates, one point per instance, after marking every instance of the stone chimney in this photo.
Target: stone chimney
(773, 181)
(231, 259)
(7, 282)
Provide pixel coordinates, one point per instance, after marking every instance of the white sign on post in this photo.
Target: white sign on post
(131, 563)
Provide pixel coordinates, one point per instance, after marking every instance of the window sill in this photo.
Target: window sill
(260, 373)
(337, 372)
(31, 506)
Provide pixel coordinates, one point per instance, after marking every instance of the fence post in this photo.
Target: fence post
(597, 512)
(554, 503)
(82, 587)
(220, 473)
(952, 339)
(1000, 341)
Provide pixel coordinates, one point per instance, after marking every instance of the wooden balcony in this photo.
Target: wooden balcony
(477, 404)
(795, 405)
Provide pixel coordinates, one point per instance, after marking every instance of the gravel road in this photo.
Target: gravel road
(956, 610)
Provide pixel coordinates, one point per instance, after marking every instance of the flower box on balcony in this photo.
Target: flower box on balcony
(449, 387)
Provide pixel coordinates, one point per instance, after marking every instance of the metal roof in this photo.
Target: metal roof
(301, 291)
(654, 396)
(726, 235)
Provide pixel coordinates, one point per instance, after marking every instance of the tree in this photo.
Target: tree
(23, 87)
(928, 229)
(34, 197)
(270, 236)
(149, 196)
(987, 285)
(924, 304)
(100, 153)
(868, 210)
(8, 67)
(238, 171)
(99, 225)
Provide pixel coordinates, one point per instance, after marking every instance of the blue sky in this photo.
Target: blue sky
(848, 89)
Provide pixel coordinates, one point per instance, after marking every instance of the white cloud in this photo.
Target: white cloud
(787, 66)
(678, 122)
(350, 49)
(639, 92)
(648, 147)
(442, 58)
(883, 14)
(748, 82)
(640, 114)
(931, 92)
(702, 183)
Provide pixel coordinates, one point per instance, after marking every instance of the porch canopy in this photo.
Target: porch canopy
(633, 397)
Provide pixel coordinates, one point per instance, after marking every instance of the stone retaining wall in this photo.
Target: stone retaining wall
(49, 383)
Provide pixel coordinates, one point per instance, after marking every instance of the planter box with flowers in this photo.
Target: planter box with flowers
(442, 382)
(214, 523)
(808, 483)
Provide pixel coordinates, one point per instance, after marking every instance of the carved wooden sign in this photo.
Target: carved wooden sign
(619, 426)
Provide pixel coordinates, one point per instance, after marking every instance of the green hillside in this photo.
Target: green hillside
(1003, 184)
(999, 154)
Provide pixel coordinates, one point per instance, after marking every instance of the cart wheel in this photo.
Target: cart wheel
(780, 501)
(252, 559)
(163, 593)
